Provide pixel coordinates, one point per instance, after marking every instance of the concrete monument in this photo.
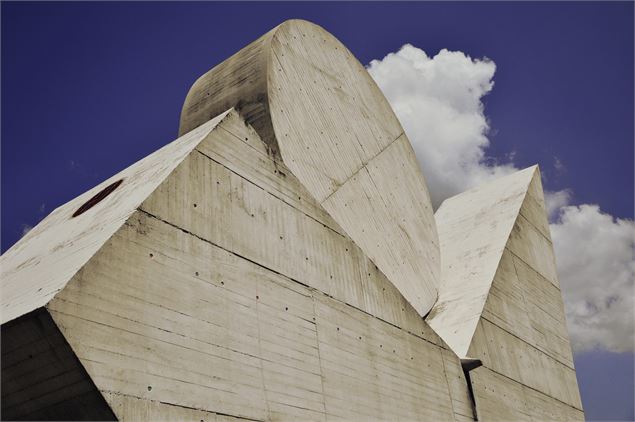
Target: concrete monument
(281, 261)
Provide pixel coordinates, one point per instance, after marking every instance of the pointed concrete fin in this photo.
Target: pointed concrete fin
(41, 263)
(316, 106)
(474, 228)
(521, 332)
(525, 298)
(531, 239)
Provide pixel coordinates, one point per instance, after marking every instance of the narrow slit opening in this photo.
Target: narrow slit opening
(100, 196)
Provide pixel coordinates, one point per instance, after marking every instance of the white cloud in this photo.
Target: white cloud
(554, 201)
(439, 103)
(594, 252)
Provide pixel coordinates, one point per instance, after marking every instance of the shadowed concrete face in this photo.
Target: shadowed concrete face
(318, 109)
(42, 379)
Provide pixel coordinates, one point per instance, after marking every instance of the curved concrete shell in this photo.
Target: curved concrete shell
(317, 109)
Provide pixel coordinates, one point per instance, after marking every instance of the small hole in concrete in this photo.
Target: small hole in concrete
(257, 297)
(286, 308)
(100, 196)
(149, 388)
(151, 255)
(196, 273)
(222, 283)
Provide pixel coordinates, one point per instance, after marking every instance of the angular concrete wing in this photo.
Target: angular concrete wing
(500, 302)
(474, 228)
(316, 106)
(40, 264)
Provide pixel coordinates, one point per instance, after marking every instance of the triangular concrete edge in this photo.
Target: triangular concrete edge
(474, 228)
(40, 264)
(532, 215)
(523, 316)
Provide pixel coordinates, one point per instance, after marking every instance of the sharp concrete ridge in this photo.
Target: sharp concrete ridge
(40, 264)
(474, 228)
(275, 263)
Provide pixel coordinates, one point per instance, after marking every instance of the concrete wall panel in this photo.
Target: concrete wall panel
(499, 398)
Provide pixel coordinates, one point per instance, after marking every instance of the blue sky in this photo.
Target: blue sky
(90, 88)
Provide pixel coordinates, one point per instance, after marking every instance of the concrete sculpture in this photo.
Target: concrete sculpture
(280, 261)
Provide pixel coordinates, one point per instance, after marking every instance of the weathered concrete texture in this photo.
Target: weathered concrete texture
(317, 108)
(499, 398)
(500, 301)
(220, 295)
